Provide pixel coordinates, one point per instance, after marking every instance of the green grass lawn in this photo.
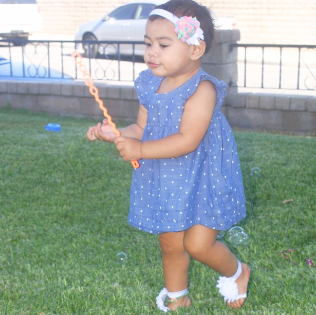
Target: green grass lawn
(63, 219)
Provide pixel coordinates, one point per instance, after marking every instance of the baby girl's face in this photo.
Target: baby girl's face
(165, 54)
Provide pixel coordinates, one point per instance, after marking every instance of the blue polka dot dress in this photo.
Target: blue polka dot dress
(203, 187)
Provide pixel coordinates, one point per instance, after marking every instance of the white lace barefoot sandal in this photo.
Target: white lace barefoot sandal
(228, 287)
(166, 297)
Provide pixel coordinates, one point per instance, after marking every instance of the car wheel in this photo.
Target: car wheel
(90, 50)
(19, 41)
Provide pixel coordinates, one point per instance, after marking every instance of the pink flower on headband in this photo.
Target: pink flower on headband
(186, 27)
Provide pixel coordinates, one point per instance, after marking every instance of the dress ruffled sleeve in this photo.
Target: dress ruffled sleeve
(220, 86)
(141, 86)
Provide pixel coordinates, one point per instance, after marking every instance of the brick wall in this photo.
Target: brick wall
(272, 21)
(260, 21)
(65, 16)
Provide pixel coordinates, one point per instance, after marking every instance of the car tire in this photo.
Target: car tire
(19, 41)
(90, 50)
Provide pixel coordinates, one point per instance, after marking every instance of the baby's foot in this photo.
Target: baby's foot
(242, 283)
(182, 302)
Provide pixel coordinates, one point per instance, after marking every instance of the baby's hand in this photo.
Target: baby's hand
(129, 148)
(102, 132)
(90, 134)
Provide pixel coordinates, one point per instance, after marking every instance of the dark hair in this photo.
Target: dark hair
(181, 8)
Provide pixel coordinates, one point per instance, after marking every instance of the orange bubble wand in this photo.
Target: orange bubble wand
(95, 92)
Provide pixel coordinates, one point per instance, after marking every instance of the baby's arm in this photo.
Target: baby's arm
(196, 118)
(136, 130)
(104, 132)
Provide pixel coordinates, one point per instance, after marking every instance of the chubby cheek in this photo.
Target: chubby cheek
(146, 57)
(146, 53)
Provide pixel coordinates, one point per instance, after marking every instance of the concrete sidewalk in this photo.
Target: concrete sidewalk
(43, 36)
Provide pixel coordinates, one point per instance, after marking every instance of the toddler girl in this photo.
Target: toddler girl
(189, 184)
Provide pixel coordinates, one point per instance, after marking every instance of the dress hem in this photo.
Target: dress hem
(152, 231)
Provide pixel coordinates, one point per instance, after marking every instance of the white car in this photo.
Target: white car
(19, 18)
(125, 23)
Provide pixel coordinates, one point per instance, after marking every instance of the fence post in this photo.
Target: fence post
(221, 60)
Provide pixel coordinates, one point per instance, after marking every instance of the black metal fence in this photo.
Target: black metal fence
(277, 66)
(41, 59)
(259, 66)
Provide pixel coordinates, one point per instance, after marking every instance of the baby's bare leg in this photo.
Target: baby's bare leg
(201, 244)
(175, 263)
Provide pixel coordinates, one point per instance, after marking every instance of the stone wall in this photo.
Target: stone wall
(69, 98)
(291, 114)
(260, 21)
(281, 113)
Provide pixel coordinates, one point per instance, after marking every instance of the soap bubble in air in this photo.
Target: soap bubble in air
(237, 236)
(255, 172)
(121, 257)
(220, 235)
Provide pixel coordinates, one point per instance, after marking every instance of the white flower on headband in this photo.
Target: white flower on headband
(187, 27)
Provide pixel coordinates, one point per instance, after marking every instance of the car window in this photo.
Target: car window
(127, 12)
(143, 11)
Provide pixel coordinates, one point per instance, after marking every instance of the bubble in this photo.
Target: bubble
(121, 257)
(220, 235)
(255, 171)
(237, 236)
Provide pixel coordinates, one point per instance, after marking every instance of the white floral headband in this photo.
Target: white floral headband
(187, 28)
